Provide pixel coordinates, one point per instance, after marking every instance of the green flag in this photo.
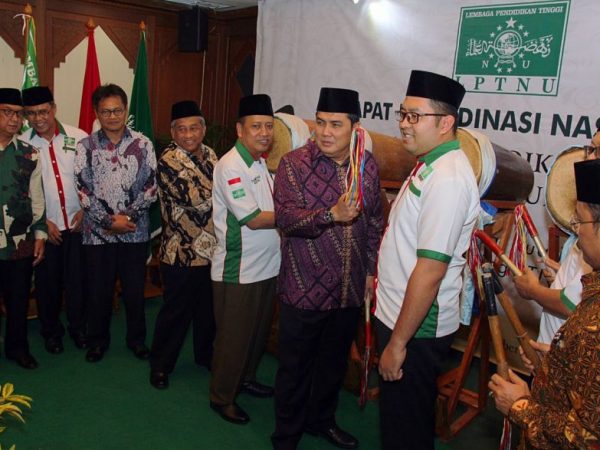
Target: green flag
(139, 110)
(30, 75)
(140, 116)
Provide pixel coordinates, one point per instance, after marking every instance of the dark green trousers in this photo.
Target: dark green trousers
(243, 315)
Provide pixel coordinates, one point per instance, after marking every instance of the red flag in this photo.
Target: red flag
(91, 81)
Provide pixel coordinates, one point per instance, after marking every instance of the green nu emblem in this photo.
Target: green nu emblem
(512, 49)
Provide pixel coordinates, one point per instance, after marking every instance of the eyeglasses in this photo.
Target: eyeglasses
(575, 222)
(591, 150)
(42, 114)
(10, 113)
(412, 117)
(106, 113)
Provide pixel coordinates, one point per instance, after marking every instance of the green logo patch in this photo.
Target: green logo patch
(238, 193)
(69, 144)
(515, 48)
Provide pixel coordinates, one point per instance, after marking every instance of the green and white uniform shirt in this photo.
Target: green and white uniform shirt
(242, 189)
(57, 158)
(568, 280)
(432, 217)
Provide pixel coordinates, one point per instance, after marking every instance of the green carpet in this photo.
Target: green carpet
(111, 405)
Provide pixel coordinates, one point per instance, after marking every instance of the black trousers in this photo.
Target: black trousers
(313, 359)
(61, 269)
(104, 263)
(407, 406)
(15, 284)
(187, 298)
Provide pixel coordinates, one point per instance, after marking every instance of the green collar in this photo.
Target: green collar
(244, 153)
(440, 150)
(61, 129)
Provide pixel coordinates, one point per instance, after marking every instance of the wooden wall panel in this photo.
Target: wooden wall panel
(209, 77)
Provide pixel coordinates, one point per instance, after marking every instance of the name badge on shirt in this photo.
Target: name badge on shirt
(70, 145)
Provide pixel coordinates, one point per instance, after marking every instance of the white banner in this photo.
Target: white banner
(530, 68)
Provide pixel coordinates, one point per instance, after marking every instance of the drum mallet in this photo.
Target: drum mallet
(512, 316)
(489, 243)
(533, 232)
(494, 321)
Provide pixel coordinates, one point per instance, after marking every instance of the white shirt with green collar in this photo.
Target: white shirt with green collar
(242, 189)
(58, 173)
(432, 217)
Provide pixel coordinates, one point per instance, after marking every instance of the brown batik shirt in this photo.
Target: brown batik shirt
(185, 190)
(564, 408)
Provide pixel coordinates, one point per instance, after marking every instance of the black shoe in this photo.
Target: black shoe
(335, 435)
(160, 380)
(54, 345)
(257, 389)
(80, 341)
(94, 354)
(231, 413)
(25, 360)
(140, 351)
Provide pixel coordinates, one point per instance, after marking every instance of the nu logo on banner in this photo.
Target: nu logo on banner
(515, 48)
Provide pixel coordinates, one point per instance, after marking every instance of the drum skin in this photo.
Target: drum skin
(512, 178)
(561, 195)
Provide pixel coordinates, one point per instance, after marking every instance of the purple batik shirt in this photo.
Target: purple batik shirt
(324, 265)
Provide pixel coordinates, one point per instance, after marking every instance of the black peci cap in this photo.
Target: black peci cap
(435, 87)
(255, 105)
(37, 95)
(587, 174)
(337, 100)
(185, 108)
(10, 96)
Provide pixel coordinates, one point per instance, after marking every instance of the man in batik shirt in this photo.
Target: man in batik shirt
(115, 169)
(184, 176)
(329, 246)
(22, 225)
(563, 409)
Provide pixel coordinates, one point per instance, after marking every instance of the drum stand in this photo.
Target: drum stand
(451, 390)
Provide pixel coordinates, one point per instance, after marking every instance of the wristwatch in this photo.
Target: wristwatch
(329, 216)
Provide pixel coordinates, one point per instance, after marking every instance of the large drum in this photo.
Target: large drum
(561, 195)
(501, 174)
(289, 132)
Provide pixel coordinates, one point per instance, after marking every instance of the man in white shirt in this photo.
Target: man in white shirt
(246, 261)
(421, 261)
(63, 265)
(564, 294)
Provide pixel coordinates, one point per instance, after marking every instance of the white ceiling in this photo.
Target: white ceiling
(219, 5)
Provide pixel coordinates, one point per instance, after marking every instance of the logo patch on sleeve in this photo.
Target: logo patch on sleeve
(235, 185)
(238, 193)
